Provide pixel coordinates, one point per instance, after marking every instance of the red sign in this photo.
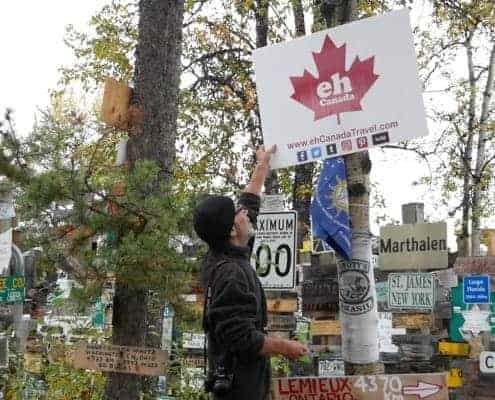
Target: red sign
(335, 90)
(369, 387)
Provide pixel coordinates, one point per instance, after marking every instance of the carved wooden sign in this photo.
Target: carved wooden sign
(474, 265)
(326, 328)
(369, 387)
(123, 359)
(281, 322)
(281, 305)
(115, 106)
(320, 295)
(412, 321)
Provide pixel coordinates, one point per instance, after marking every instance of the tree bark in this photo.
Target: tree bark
(464, 248)
(261, 16)
(303, 180)
(359, 330)
(152, 137)
(480, 158)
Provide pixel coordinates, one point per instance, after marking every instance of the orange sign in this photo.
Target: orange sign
(369, 387)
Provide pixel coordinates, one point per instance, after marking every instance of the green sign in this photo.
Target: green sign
(458, 320)
(12, 289)
(98, 315)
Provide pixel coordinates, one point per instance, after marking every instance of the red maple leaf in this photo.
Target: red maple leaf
(335, 90)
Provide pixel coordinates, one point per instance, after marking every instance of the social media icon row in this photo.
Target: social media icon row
(346, 145)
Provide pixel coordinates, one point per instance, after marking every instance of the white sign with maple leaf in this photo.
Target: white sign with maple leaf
(341, 90)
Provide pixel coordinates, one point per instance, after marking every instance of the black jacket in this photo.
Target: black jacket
(236, 318)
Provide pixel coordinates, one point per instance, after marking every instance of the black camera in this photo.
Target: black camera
(220, 382)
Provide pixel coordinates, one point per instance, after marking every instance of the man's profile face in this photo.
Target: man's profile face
(243, 226)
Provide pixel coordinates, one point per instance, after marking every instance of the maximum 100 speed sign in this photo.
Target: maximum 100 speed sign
(274, 249)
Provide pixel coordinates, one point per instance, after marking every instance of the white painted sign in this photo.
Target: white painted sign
(475, 321)
(446, 278)
(332, 93)
(5, 250)
(193, 340)
(385, 332)
(487, 362)
(411, 291)
(328, 368)
(274, 250)
(413, 246)
(6, 210)
(272, 202)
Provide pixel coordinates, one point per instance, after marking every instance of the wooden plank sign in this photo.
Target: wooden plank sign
(123, 359)
(474, 265)
(412, 321)
(281, 305)
(116, 98)
(326, 328)
(369, 387)
(280, 322)
(320, 295)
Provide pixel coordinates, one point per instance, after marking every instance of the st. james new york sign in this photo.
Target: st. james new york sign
(413, 246)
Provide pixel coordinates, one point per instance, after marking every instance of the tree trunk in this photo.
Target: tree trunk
(480, 158)
(152, 137)
(359, 329)
(464, 248)
(261, 16)
(303, 180)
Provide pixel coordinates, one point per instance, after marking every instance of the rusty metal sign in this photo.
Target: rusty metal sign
(123, 359)
(369, 387)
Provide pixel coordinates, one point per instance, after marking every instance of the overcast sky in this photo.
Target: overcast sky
(31, 38)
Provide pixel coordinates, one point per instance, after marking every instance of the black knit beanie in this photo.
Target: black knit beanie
(213, 220)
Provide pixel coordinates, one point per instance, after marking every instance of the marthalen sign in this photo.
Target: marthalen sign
(413, 246)
(333, 93)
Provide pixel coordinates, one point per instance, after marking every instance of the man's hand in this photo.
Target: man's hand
(261, 170)
(295, 349)
(289, 348)
(263, 156)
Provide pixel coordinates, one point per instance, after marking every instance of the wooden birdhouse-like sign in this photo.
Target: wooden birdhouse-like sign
(115, 106)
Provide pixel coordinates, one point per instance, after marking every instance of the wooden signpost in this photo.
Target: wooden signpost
(369, 387)
(122, 359)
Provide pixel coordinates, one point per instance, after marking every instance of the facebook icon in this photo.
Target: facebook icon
(302, 156)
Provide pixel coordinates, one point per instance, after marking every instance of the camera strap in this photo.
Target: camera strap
(206, 306)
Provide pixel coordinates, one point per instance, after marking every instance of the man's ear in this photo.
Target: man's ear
(233, 231)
